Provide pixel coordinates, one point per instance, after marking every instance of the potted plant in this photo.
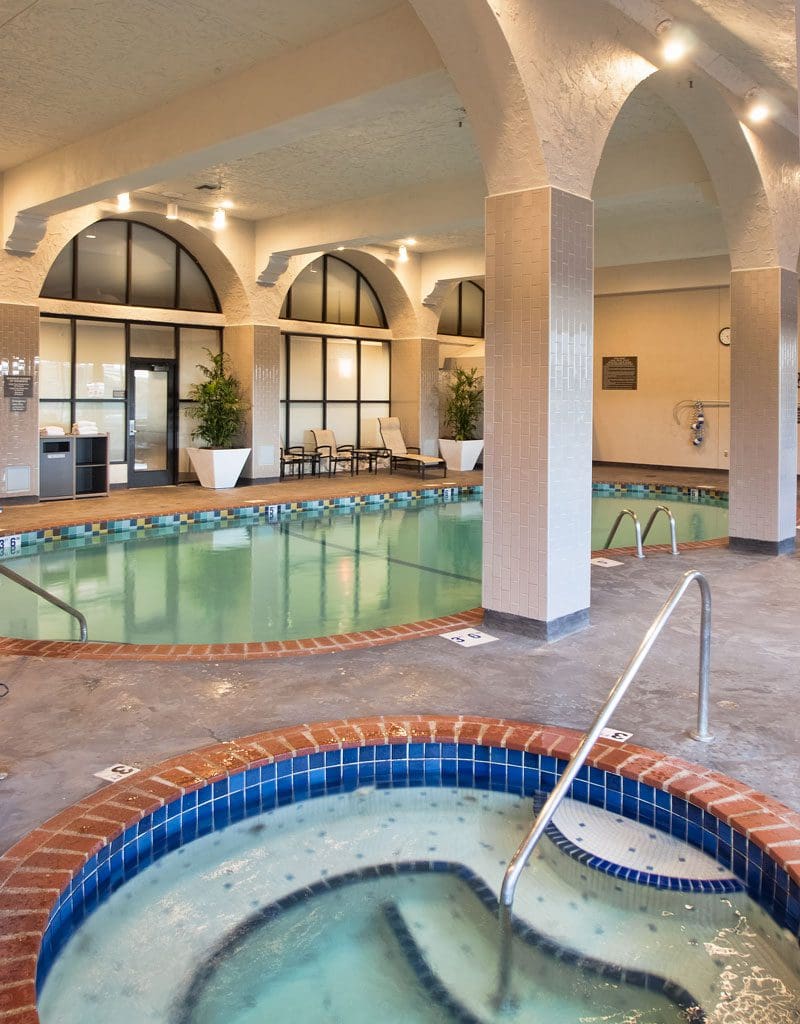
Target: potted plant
(219, 410)
(462, 411)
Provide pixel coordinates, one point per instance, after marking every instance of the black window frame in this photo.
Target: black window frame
(73, 242)
(286, 402)
(72, 400)
(459, 320)
(286, 308)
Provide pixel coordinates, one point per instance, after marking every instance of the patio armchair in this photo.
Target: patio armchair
(294, 460)
(335, 455)
(403, 455)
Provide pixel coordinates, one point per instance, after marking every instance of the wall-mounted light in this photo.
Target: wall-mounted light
(674, 41)
(226, 204)
(402, 254)
(124, 202)
(759, 109)
(219, 220)
(172, 211)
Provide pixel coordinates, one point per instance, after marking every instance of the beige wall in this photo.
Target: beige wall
(675, 334)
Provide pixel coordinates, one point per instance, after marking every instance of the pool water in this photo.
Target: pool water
(254, 926)
(313, 574)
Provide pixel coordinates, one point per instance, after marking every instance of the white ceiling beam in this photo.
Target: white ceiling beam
(343, 79)
(374, 220)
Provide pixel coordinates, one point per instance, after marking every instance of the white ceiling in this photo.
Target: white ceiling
(401, 148)
(72, 67)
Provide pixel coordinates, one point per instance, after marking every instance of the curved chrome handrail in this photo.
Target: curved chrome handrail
(636, 525)
(41, 592)
(673, 536)
(528, 844)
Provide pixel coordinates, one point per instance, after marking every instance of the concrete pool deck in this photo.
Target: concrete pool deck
(62, 721)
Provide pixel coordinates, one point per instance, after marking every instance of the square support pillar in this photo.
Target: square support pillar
(415, 391)
(538, 412)
(19, 420)
(763, 474)
(255, 352)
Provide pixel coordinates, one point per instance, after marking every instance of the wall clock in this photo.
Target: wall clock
(725, 336)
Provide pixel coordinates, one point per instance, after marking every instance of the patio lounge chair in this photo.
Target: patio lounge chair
(402, 454)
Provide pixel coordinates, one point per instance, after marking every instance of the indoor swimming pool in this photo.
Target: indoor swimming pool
(309, 573)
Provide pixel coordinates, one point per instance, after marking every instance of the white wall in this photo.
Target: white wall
(675, 335)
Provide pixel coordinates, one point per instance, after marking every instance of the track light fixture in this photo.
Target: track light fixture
(674, 41)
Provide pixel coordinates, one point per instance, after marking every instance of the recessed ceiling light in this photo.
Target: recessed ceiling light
(411, 241)
(340, 248)
(226, 204)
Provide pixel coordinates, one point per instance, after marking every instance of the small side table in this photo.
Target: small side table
(370, 456)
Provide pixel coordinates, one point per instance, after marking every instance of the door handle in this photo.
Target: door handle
(131, 428)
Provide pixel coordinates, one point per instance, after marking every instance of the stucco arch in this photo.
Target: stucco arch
(725, 147)
(475, 50)
(434, 301)
(401, 316)
(230, 289)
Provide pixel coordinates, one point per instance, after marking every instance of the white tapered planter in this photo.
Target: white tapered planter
(218, 467)
(460, 456)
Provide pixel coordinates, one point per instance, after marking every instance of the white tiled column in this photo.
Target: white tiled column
(763, 474)
(538, 411)
(415, 391)
(255, 351)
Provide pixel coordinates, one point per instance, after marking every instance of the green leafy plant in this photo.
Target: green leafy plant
(219, 407)
(464, 403)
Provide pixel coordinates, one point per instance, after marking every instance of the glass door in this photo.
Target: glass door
(151, 422)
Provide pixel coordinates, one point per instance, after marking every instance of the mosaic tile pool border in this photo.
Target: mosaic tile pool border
(255, 510)
(277, 512)
(56, 874)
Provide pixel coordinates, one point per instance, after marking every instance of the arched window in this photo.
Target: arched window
(341, 383)
(330, 291)
(129, 264)
(462, 313)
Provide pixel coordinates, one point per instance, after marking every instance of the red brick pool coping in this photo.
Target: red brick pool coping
(37, 868)
(251, 651)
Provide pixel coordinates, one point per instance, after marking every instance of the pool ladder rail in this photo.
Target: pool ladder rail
(41, 592)
(523, 852)
(641, 535)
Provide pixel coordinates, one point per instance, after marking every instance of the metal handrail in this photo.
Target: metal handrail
(673, 536)
(41, 592)
(528, 844)
(636, 525)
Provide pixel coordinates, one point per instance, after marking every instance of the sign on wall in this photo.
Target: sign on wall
(18, 387)
(620, 373)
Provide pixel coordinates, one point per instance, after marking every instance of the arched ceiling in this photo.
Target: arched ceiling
(654, 199)
(73, 69)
